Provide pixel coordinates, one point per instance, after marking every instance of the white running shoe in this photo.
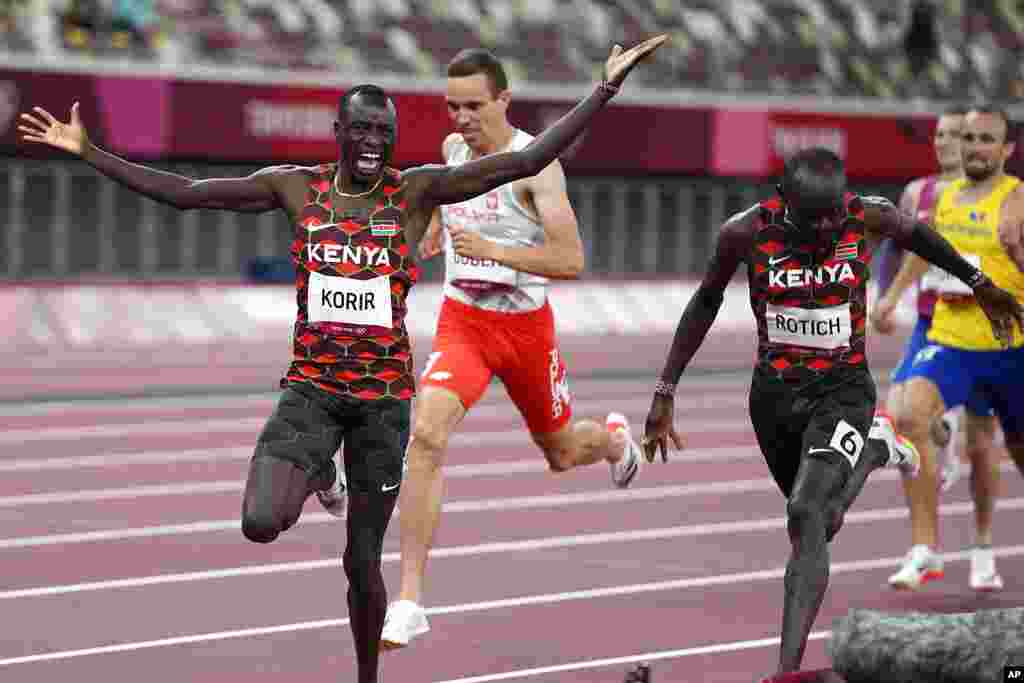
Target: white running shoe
(404, 621)
(984, 576)
(333, 498)
(627, 466)
(902, 453)
(920, 566)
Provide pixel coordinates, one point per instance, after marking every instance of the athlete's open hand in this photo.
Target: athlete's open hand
(469, 244)
(1002, 309)
(620, 63)
(659, 429)
(41, 126)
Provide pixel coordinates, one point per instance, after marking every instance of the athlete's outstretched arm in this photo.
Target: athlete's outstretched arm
(731, 249)
(252, 193)
(883, 218)
(1001, 307)
(734, 241)
(450, 185)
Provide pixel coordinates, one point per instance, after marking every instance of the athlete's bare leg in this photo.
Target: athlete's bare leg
(807, 571)
(895, 404)
(580, 443)
(437, 413)
(984, 457)
(922, 492)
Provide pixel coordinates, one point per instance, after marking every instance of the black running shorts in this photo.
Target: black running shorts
(829, 422)
(310, 424)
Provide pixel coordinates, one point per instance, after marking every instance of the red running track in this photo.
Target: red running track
(122, 558)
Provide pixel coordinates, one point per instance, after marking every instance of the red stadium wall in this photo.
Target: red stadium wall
(240, 122)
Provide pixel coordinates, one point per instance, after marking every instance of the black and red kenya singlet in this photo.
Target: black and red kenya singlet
(809, 297)
(354, 271)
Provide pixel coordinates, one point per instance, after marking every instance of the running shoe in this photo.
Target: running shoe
(984, 577)
(404, 621)
(903, 455)
(333, 498)
(920, 566)
(625, 469)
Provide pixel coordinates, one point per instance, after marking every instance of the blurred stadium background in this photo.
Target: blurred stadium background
(222, 87)
(215, 87)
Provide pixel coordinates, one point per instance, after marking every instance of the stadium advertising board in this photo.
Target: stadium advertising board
(252, 122)
(126, 114)
(757, 143)
(150, 117)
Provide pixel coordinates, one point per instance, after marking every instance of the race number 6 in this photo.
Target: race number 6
(848, 441)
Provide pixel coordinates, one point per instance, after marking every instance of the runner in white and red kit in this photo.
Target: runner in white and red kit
(502, 248)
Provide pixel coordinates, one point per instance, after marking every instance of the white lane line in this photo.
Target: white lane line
(527, 545)
(490, 504)
(712, 649)
(148, 457)
(494, 397)
(459, 442)
(177, 640)
(469, 470)
(241, 425)
(495, 504)
(134, 429)
(131, 492)
(544, 599)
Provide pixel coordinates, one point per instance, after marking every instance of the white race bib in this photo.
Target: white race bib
(938, 280)
(480, 275)
(331, 299)
(818, 328)
(477, 275)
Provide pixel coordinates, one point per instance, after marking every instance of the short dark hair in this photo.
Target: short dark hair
(373, 92)
(816, 174)
(476, 60)
(996, 110)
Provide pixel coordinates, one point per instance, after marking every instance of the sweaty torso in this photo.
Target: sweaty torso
(354, 271)
(502, 217)
(808, 294)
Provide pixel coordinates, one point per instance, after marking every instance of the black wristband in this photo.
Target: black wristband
(977, 279)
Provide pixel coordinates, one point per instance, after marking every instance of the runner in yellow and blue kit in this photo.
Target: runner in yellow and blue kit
(981, 215)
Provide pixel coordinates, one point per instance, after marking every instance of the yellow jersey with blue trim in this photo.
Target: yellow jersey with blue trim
(973, 230)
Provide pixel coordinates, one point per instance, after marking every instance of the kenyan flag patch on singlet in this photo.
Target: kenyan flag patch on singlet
(385, 228)
(846, 251)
